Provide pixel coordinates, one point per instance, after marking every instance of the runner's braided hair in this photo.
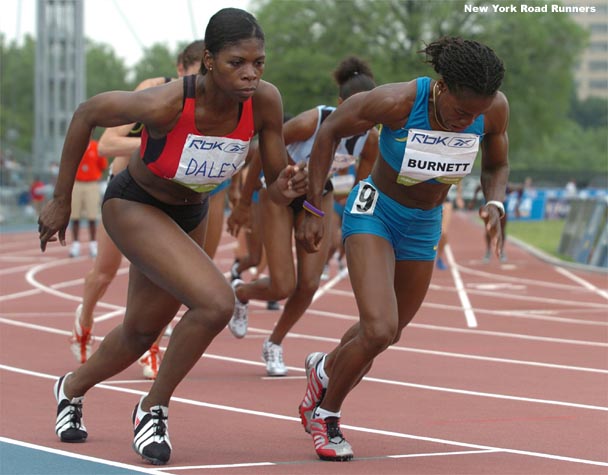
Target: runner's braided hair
(466, 64)
(353, 75)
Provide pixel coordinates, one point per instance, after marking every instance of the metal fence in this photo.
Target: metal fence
(585, 234)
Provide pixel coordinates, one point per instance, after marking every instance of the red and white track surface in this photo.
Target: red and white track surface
(503, 371)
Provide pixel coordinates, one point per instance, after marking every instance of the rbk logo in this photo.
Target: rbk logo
(231, 147)
(455, 142)
(235, 148)
(459, 142)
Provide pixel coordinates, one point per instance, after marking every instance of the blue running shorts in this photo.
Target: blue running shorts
(413, 233)
(339, 208)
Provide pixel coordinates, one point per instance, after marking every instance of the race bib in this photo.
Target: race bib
(444, 156)
(366, 199)
(206, 162)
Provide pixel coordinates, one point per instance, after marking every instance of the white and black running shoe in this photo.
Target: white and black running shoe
(151, 434)
(238, 323)
(234, 273)
(69, 426)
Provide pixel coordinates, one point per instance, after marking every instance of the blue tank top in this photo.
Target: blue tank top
(393, 143)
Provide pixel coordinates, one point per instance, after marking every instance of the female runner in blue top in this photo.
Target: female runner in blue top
(431, 132)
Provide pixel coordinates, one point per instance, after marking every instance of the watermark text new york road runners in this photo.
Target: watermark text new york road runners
(525, 8)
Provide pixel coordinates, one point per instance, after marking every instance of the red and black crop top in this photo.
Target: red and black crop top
(194, 160)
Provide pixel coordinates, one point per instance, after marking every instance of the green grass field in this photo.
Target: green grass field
(544, 235)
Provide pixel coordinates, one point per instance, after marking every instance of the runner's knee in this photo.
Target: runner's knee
(377, 336)
(282, 287)
(308, 285)
(138, 340)
(215, 312)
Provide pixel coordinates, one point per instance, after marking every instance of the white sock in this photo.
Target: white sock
(62, 395)
(321, 372)
(323, 414)
(141, 413)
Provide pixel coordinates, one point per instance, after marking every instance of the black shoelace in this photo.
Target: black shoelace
(158, 419)
(75, 414)
(333, 429)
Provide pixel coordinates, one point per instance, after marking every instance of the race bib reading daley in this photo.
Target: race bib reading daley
(206, 162)
(444, 156)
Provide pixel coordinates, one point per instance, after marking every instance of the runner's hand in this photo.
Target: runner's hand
(493, 225)
(310, 232)
(54, 218)
(293, 181)
(239, 217)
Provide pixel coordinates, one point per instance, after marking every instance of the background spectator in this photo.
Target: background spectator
(37, 194)
(86, 197)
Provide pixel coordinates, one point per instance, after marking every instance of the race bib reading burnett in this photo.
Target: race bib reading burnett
(206, 162)
(444, 156)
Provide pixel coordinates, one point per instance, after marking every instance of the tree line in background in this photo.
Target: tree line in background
(550, 132)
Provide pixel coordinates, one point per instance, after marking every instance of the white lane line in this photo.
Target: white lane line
(487, 395)
(87, 458)
(439, 388)
(407, 384)
(30, 278)
(233, 465)
(525, 314)
(322, 290)
(469, 314)
(18, 295)
(583, 282)
(532, 298)
(441, 454)
(449, 354)
(21, 259)
(328, 288)
(368, 430)
(489, 276)
(357, 459)
(544, 300)
(20, 269)
(300, 336)
(107, 316)
(522, 336)
(519, 336)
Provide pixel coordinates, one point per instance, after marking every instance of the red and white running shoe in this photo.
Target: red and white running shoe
(329, 442)
(81, 341)
(150, 362)
(314, 389)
